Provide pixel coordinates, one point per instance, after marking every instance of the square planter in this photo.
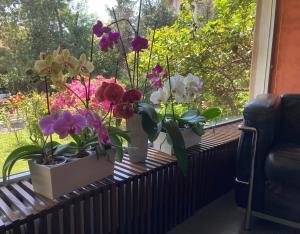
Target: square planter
(53, 181)
(162, 143)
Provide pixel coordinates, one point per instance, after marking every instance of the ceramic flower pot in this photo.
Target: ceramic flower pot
(162, 143)
(138, 146)
(53, 181)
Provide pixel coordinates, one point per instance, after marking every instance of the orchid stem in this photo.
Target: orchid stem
(137, 70)
(117, 70)
(171, 95)
(49, 111)
(67, 87)
(89, 85)
(139, 18)
(149, 61)
(120, 20)
(134, 69)
(123, 47)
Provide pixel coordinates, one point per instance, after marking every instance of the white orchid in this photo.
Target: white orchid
(177, 87)
(160, 96)
(183, 89)
(193, 85)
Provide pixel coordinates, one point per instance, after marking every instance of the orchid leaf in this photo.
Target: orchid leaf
(178, 145)
(150, 127)
(198, 129)
(145, 108)
(117, 145)
(119, 132)
(192, 117)
(17, 154)
(70, 148)
(211, 113)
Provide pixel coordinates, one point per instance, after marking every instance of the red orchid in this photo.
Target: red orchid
(132, 96)
(123, 110)
(99, 95)
(113, 93)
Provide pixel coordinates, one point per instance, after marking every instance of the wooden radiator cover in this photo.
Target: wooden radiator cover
(150, 197)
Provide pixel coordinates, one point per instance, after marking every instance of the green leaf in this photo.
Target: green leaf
(117, 145)
(145, 108)
(150, 127)
(49, 146)
(70, 148)
(178, 144)
(77, 139)
(24, 157)
(211, 113)
(192, 117)
(198, 129)
(118, 122)
(119, 132)
(190, 114)
(17, 154)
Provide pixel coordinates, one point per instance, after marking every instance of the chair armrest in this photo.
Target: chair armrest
(261, 115)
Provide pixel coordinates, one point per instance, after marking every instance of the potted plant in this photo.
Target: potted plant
(128, 104)
(93, 146)
(181, 121)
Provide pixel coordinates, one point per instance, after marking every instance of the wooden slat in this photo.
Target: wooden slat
(16, 202)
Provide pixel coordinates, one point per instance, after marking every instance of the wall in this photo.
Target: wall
(285, 68)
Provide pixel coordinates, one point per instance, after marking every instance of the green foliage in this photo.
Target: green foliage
(30, 152)
(34, 109)
(117, 137)
(178, 144)
(218, 50)
(150, 120)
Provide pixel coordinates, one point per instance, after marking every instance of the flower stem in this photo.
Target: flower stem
(123, 47)
(149, 61)
(117, 70)
(109, 110)
(68, 88)
(89, 85)
(171, 95)
(137, 69)
(139, 18)
(134, 69)
(49, 111)
(120, 20)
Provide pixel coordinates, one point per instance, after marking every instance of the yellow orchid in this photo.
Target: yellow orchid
(84, 65)
(46, 66)
(67, 61)
(59, 81)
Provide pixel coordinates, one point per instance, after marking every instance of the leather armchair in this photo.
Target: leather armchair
(276, 171)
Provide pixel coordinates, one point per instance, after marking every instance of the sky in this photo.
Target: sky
(98, 7)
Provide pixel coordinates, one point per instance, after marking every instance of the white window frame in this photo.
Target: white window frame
(262, 48)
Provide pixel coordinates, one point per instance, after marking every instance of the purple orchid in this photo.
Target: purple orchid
(104, 44)
(158, 68)
(46, 124)
(99, 30)
(156, 77)
(109, 41)
(95, 123)
(139, 43)
(114, 36)
(69, 124)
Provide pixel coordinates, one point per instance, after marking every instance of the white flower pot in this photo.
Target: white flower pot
(162, 143)
(53, 181)
(138, 146)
